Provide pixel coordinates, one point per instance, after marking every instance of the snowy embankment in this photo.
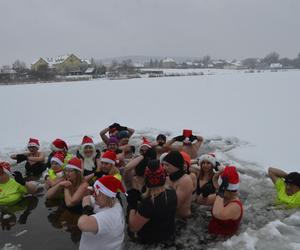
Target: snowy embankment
(250, 120)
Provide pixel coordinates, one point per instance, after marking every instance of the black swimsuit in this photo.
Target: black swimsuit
(207, 189)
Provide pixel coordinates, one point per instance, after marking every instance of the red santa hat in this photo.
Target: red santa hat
(33, 143)
(146, 143)
(59, 158)
(233, 178)
(59, 145)
(87, 141)
(208, 157)
(187, 158)
(109, 185)
(75, 163)
(109, 157)
(5, 167)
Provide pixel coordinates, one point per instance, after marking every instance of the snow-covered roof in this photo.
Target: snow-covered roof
(275, 65)
(168, 60)
(58, 59)
(89, 70)
(87, 61)
(138, 65)
(8, 71)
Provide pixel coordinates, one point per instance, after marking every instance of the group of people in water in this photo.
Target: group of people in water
(144, 191)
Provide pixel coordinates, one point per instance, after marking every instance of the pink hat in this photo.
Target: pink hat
(109, 185)
(75, 163)
(59, 158)
(5, 166)
(59, 145)
(109, 157)
(233, 178)
(33, 143)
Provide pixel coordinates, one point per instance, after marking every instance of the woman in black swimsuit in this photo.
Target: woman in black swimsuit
(206, 190)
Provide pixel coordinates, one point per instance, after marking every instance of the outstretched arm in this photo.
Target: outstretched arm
(275, 173)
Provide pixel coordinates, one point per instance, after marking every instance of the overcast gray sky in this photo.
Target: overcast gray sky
(221, 28)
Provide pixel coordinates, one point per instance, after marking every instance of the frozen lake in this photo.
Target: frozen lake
(251, 120)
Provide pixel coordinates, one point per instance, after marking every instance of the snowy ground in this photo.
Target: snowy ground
(250, 120)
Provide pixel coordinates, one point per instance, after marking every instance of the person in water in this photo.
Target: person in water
(206, 190)
(135, 169)
(89, 155)
(35, 160)
(108, 166)
(13, 190)
(102, 223)
(188, 143)
(74, 187)
(152, 214)
(114, 130)
(59, 145)
(181, 182)
(287, 186)
(227, 210)
(56, 173)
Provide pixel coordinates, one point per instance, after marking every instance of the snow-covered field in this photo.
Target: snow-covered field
(251, 120)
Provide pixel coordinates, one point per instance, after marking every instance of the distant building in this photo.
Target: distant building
(66, 65)
(275, 66)
(7, 74)
(168, 63)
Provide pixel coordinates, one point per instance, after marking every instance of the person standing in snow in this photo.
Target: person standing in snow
(180, 181)
(152, 214)
(287, 187)
(102, 223)
(89, 155)
(35, 160)
(227, 210)
(188, 145)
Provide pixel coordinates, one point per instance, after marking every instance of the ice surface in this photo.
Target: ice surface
(250, 120)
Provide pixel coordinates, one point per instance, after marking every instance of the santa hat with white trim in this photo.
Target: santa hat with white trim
(59, 158)
(5, 167)
(87, 141)
(109, 157)
(233, 178)
(109, 186)
(208, 157)
(146, 143)
(33, 143)
(74, 163)
(59, 145)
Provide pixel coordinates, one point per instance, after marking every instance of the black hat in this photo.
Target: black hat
(174, 158)
(293, 178)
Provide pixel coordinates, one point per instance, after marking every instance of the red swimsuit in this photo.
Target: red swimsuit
(225, 227)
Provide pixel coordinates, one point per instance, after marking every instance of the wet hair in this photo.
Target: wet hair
(161, 137)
